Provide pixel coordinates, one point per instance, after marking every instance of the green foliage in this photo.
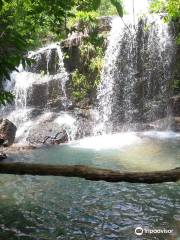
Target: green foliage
(178, 39)
(22, 24)
(171, 7)
(1, 4)
(86, 14)
(176, 86)
(6, 97)
(158, 6)
(87, 5)
(87, 78)
(95, 66)
(80, 85)
(36, 19)
(82, 21)
(26, 24)
(111, 7)
(118, 5)
(106, 8)
(12, 48)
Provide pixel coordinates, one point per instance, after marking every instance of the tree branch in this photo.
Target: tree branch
(90, 173)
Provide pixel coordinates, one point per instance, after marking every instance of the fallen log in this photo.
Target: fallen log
(89, 173)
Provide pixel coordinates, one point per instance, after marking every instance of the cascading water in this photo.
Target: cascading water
(135, 86)
(49, 62)
(40, 95)
(46, 69)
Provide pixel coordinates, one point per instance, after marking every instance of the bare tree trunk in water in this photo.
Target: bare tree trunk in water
(90, 173)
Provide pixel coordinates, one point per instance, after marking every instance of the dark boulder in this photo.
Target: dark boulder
(7, 132)
(2, 156)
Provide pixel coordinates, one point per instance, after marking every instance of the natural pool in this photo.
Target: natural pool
(41, 208)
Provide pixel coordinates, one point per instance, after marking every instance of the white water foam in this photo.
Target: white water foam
(112, 141)
(162, 135)
(121, 140)
(68, 123)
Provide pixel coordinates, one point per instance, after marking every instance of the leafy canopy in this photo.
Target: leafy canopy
(171, 7)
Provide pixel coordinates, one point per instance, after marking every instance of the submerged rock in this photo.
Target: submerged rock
(2, 156)
(7, 132)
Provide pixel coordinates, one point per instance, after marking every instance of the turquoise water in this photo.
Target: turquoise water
(53, 208)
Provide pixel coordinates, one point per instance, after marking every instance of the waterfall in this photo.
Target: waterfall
(135, 81)
(40, 96)
(134, 90)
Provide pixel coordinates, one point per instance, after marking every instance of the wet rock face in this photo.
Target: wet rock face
(76, 37)
(176, 105)
(47, 95)
(46, 62)
(137, 74)
(7, 132)
(104, 24)
(50, 133)
(47, 79)
(40, 131)
(84, 123)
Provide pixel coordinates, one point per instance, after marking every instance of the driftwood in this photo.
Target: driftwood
(90, 173)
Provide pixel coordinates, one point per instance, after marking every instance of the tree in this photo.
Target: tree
(118, 5)
(12, 48)
(171, 7)
(87, 5)
(90, 173)
(24, 22)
